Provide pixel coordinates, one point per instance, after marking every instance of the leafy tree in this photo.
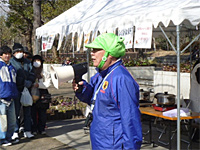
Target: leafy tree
(20, 18)
(5, 34)
(53, 8)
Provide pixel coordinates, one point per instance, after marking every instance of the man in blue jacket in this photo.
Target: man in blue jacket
(25, 78)
(114, 97)
(8, 91)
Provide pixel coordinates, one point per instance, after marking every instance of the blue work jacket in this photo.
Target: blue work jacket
(8, 88)
(116, 117)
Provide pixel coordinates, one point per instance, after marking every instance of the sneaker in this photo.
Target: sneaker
(6, 143)
(28, 134)
(43, 133)
(15, 141)
(15, 136)
(21, 129)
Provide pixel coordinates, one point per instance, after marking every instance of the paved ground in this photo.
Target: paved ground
(69, 134)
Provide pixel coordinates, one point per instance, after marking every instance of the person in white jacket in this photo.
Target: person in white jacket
(40, 104)
(195, 96)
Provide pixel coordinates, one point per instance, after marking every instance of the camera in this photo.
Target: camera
(88, 120)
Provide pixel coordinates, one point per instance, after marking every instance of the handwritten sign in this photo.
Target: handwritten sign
(143, 36)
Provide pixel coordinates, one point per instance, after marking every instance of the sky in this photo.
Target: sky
(5, 7)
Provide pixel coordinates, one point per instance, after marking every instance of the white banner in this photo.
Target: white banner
(61, 36)
(79, 41)
(127, 33)
(94, 35)
(72, 46)
(44, 43)
(50, 41)
(111, 31)
(143, 36)
(86, 40)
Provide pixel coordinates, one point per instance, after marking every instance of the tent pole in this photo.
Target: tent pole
(178, 87)
(195, 39)
(167, 38)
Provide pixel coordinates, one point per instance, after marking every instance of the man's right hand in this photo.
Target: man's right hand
(75, 85)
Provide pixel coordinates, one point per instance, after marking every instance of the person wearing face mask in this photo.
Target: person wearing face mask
(39, 108)
(113, 95)
(25, 78)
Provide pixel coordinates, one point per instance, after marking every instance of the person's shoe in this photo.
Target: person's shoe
(15, 141)
(21, 129)
(6, 143)
(28, 134)
(15, 136)
(43, 133)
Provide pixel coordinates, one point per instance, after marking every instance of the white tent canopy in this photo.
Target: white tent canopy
(107, 15)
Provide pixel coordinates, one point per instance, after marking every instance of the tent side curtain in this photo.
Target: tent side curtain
(89, 15)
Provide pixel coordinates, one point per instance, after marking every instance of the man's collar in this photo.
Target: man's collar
(103, 73)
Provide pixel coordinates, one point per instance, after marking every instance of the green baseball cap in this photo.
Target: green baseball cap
(109, 42)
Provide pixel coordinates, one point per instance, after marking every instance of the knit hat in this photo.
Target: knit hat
(111, 43)
(37, 57)
(17, 47)
(26, 49)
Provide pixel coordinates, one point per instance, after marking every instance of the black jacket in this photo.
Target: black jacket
(25, 75)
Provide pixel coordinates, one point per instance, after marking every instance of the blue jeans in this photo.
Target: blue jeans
(27, 115)
(11, 118)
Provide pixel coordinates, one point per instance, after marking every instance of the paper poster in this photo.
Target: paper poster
(79, 41)
(143, 36)
(86, 40)
(50, 41)
(127, 33)
(44, 43)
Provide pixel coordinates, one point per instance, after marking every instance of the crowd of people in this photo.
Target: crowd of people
(19, 70)
(112, 93)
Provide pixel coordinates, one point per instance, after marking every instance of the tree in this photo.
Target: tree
(20, 19)
(36, 23)
(24, 16)
(5, 34)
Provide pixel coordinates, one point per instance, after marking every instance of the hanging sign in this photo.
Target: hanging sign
(127, 33)
(143, 36)
(44, 43)
(50, 41)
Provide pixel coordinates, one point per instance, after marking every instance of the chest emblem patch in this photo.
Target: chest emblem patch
(105, 85)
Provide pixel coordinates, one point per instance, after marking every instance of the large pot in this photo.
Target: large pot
(144, 95)
(165, 98)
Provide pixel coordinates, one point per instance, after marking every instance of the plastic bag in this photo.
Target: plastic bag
(35, 94)
(26, 98)
(3, 126)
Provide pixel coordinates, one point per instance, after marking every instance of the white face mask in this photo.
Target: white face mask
(36, 64)
(19, 55)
